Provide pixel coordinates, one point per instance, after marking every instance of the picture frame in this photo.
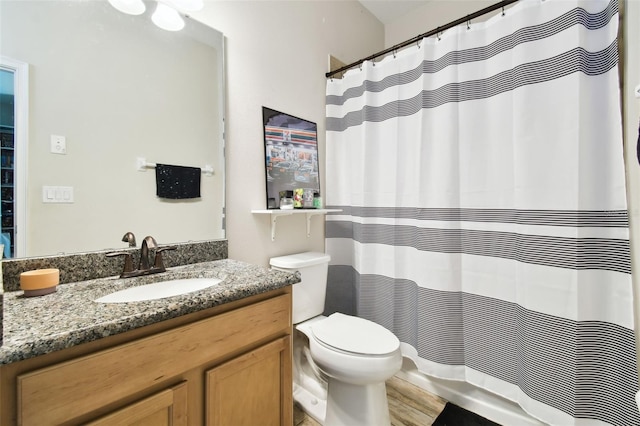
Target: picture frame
(291, 157)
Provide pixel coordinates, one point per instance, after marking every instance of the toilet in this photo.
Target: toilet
(340, 362)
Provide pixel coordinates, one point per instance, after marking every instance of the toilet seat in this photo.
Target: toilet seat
(354, 335)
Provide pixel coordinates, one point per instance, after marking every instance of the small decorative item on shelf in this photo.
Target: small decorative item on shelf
(298, 196)
(286, 203)
(307, 201)
(286, 200)
(317, 200)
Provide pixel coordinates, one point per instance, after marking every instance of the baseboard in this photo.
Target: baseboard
(470, 397)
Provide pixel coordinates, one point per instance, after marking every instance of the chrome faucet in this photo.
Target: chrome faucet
(144, 265)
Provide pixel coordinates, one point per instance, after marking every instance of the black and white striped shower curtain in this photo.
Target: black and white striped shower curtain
(484, 221)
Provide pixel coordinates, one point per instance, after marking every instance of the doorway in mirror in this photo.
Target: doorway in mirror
(14, 121)
(7, 162)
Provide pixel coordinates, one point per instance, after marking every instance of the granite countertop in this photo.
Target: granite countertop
(36, 326)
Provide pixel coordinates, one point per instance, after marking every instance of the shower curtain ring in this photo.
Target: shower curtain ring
(468, 22)
(394, 53)
(418, 43)
(502, 10)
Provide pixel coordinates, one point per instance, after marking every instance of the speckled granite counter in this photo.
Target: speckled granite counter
(40, 325)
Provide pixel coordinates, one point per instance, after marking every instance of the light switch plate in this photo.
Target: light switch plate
(57, 194)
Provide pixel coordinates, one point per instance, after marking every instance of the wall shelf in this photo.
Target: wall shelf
(276, 213)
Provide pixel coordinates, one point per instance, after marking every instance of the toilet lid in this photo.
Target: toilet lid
(356, 335)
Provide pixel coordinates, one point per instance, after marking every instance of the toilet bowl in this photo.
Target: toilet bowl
(341, 362)
(356, 356)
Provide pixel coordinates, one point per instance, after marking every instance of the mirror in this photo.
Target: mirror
(118, 89)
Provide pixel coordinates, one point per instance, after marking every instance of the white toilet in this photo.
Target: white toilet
(340, 368)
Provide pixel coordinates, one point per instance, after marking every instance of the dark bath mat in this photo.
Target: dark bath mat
(452, 415)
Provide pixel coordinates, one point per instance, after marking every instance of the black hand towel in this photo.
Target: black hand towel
(177, 182)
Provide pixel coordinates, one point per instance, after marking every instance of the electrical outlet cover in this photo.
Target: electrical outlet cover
(58, 144)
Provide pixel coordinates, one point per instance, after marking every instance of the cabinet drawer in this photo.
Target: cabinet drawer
(67, 390)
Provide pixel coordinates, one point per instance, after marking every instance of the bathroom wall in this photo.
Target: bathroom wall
(276, 56)
(429, 17)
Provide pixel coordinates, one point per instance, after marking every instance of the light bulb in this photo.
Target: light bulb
(167, 18)
(130, 7)
(188, 5)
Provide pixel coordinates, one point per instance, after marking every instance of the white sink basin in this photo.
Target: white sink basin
(159, 290)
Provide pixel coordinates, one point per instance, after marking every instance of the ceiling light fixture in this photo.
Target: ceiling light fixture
(130, 7)
(166, 15)
(167, 18)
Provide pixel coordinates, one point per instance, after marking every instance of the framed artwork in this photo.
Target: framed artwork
(291, 156)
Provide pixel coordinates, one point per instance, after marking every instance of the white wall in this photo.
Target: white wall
(276, 53)
(429, 17)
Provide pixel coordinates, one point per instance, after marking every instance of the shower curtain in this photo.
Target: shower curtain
(484, 220)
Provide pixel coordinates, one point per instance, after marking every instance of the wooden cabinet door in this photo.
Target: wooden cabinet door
(252, 389)
(166, 408)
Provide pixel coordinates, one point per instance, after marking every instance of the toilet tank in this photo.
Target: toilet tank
(309, 294)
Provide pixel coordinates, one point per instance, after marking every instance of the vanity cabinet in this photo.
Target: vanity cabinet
(229, 365)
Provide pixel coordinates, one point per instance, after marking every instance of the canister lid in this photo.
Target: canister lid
(39, 278)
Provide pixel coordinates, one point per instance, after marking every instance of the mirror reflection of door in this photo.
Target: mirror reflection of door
(7, 162)
(14, 123)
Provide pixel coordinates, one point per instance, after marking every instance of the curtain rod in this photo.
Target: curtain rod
(417, 38)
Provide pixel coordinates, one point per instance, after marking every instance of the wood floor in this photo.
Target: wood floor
(408, 406)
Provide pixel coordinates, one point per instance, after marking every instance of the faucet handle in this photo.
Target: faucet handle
(158, 263)
(129, 238)
(128, 263)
